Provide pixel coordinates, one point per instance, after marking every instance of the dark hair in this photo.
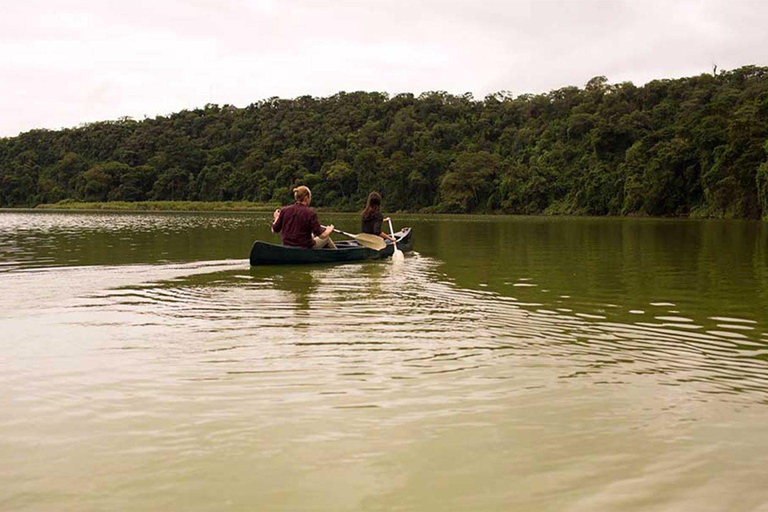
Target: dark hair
(372, 206)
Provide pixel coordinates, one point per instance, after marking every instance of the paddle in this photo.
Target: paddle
(398, 254)
(370, 241)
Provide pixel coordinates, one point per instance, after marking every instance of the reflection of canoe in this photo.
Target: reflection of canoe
(263, 253)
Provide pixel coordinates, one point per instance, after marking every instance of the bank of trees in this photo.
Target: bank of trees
(690, 146)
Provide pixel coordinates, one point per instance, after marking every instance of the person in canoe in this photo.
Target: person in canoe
(298, 223)
(372, 218)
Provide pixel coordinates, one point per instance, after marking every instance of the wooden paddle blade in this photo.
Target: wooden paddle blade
(371, 241)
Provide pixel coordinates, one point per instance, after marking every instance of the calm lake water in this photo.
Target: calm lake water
(510, 363)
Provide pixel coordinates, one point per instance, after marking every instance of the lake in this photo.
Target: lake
(510, 363)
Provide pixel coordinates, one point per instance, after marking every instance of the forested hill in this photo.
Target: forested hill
(690, 146)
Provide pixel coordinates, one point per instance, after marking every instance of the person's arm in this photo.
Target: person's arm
(277, 224)
(383, 234)
(318, 230)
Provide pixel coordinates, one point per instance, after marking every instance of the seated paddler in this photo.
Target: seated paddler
(298, 223)
(372, 218)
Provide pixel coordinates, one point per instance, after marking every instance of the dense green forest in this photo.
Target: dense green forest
(691, 146)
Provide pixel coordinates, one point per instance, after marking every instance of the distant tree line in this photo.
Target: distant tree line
(690, 146)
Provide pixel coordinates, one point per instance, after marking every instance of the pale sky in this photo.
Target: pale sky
(67, 62)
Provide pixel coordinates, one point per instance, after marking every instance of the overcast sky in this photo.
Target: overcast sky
(63, 63)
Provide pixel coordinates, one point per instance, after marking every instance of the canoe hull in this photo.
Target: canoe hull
(264, 253)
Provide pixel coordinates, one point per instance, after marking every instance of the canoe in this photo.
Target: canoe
(264, 253)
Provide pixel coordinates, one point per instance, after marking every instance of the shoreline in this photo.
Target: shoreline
(158, 206)
(253, 207)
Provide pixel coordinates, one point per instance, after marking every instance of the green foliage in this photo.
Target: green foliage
(691, 146)
(468, 182)
(762, 184)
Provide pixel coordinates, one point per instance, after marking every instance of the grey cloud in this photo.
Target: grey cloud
(88, 60)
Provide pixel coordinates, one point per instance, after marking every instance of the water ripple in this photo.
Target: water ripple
(414, 323)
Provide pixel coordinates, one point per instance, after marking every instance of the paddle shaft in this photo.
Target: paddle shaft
(391, 230)
(350, 235)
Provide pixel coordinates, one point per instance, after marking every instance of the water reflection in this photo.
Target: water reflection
(297, 282)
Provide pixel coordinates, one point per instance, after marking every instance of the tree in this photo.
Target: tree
(468, 181)
(340, 176)
(171, 185)
(101, 182)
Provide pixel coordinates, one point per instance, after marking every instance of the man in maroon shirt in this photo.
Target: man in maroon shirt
(299, 225)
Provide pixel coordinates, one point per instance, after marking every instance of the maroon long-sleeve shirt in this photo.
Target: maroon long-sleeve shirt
(298, 223)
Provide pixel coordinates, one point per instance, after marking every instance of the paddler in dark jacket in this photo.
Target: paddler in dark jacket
(372, 218)
(299, 225)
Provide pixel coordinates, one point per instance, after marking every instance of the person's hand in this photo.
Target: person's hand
(386, 220)
(330, 228)
(276, 214)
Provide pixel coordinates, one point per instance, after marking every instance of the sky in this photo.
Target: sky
(68, 62)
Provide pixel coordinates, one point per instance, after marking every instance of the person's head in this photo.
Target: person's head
(373, 205)
(302, 194)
